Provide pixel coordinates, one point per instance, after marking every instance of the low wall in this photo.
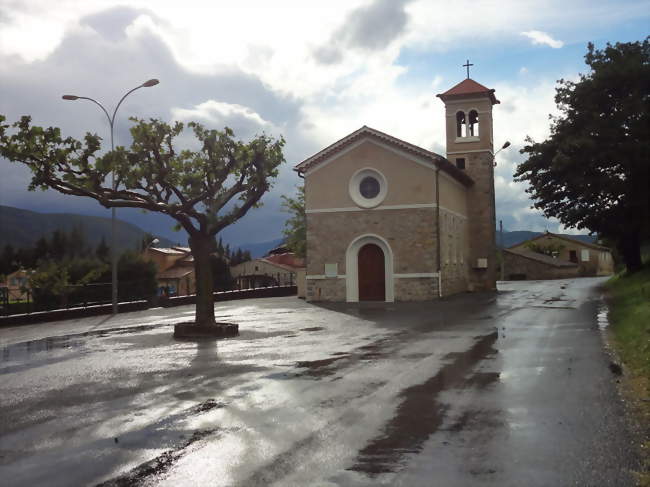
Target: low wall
(105, 309)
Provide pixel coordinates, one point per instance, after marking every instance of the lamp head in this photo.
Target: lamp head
(507, 144)
(70, 97)
(149, 83)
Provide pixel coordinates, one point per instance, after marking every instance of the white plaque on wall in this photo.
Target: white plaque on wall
(331, 270)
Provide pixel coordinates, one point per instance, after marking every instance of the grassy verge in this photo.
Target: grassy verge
(629, 316)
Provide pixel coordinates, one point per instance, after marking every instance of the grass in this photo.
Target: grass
(629, 316)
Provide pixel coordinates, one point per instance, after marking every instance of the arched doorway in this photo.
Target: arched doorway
(372, 275)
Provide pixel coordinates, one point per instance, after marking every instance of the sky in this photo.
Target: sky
(311, 71)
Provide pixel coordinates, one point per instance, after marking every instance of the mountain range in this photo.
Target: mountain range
(22, 228)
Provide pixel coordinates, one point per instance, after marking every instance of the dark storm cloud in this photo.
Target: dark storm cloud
(371, 27)
(104, 63)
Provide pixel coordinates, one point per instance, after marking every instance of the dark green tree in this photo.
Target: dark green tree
(8, 263)
(204, 190)
(41, 250)
(58, 245)
(102, 251)
(593, 170)
(295, 228)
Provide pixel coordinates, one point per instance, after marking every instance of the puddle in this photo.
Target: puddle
(313, 328)
(157, 466)
(23, 350)
(318, 368)
(420, 415)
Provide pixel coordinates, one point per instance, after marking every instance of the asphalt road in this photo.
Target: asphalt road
(510, 389)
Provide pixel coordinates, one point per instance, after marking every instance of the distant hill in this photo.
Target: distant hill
(518, 236)
(22, 228)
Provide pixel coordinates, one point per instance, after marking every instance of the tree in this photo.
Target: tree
(295, 228)
(102, 251)
(204, 190)
(593, 170)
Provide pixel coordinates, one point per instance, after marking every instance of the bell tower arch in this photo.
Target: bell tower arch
(470, 147)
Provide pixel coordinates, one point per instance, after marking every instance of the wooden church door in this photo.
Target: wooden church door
(371, 272)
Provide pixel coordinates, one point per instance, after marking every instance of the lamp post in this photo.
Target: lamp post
(494, 163)
(111, 122)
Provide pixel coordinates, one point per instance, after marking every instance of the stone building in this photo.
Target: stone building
(587, 259)
(522, 264)
(391, 221)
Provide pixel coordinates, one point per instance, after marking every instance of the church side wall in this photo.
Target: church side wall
(411, 234)
(453, 252)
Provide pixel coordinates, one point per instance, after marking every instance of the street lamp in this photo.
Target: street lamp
(494, 157)
(111, 122)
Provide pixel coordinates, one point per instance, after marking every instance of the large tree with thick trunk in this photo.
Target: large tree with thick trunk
(204, 190)
(593, 170)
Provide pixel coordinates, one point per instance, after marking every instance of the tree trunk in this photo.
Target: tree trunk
(202, 246)
(630, 248)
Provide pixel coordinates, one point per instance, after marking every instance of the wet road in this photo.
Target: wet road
(505, 390)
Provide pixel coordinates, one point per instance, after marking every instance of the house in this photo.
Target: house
(17, 284)
(275, 269)
(522, 264)
(573, 257)
(390, 221)
(175, 274)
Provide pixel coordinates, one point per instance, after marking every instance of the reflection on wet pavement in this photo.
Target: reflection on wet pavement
(421, 412)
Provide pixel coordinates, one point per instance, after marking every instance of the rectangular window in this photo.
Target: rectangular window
(460, 162)
(584, 255)
(573, 256)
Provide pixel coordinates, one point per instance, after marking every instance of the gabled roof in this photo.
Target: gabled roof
(544, 259)
(565, 238)
(468, 87)
(366, 132)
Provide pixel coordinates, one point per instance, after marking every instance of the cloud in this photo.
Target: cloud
(539, 37)
(370, 27)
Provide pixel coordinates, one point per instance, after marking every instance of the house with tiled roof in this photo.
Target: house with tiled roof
(275, 269)
(389, 220)
(175, 270)
(570, 258)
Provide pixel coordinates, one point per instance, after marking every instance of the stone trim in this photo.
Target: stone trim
(385, 207)
(323, 276)
(415, 275)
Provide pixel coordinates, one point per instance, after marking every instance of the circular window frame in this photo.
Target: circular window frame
(355, 192)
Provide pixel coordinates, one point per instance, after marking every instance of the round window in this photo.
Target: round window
(369, 187)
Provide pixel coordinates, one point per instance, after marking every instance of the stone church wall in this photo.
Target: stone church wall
(411, 234)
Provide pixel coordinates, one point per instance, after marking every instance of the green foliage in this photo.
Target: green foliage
(592, 172)
(295, 228)
(190, 186)
(551, 249)
(204, 190)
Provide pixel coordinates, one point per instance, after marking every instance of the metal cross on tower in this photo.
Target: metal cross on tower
(467, 66)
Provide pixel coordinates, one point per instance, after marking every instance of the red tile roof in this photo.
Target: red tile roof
(468, 87)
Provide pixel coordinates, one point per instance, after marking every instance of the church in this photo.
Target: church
(390, 221)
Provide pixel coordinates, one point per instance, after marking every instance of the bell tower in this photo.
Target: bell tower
(470, 147)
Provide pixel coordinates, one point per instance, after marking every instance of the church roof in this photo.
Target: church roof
(367, 132)
(468, 87)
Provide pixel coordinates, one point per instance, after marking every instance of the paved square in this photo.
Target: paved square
(477, 389)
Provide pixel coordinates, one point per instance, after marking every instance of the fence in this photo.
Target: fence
(97, 294)
(72, 296)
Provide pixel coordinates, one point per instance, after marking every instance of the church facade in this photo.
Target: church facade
(391, 221)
